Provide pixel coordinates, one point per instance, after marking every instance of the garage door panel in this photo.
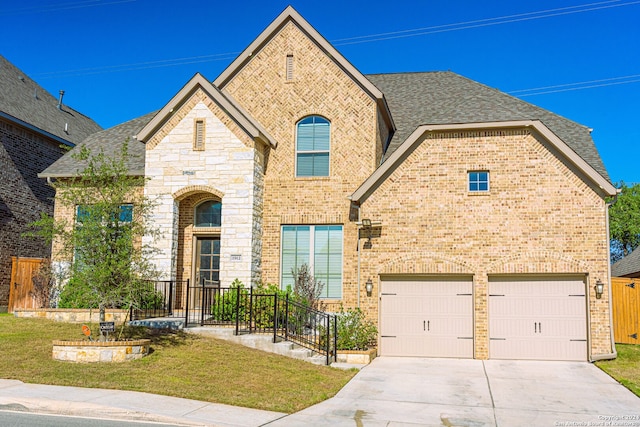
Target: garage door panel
(537, 318)
(525, 349)
(428, 317)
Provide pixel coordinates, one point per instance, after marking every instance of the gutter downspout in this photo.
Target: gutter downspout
(358, 250)
(614, 354)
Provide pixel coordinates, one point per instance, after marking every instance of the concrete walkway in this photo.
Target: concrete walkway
(388, 392)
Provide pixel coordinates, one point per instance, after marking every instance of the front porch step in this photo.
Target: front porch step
(159, 323)
(262, 342)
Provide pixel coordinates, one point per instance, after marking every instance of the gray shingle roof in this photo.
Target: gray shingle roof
(23, 99)
(448, 98)
(110, 141)
(414, 99)
(627, 266)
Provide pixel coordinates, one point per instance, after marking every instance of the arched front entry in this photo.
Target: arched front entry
(198, 240)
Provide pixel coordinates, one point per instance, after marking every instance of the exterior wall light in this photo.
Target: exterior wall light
(599, 288)
(369, 287)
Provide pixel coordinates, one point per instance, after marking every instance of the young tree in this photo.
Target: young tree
(624, 222)
(307, 288)
(102, 248)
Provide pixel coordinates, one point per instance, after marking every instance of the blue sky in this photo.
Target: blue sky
(119, 59)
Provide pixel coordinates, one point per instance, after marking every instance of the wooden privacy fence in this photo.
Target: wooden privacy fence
(22, 272)
(626, 307)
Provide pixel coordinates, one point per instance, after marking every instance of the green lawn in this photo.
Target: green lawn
(180, 364)
(626, 368)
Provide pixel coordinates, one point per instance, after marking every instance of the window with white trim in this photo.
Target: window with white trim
(318, 246)
(478, 181)
(312, 146)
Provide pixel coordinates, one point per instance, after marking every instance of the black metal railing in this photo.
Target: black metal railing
(242, 309)
(309, 328)
(158, 299)
(248, 312)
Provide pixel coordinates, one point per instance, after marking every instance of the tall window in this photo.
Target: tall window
(318, 246)
(312, 146)
(208, 214)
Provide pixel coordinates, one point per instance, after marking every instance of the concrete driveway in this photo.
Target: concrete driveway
(449, 392)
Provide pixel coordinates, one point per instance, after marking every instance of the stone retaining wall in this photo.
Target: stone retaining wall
(70, 315)
(357, 356)
(94, 351)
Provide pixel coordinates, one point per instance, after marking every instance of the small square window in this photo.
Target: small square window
(478, 181)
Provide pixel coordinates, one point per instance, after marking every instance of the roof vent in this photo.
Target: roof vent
(60, 100)
(35, 93)
(21, 78)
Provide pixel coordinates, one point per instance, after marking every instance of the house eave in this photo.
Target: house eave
(36, 129)
(252, 128)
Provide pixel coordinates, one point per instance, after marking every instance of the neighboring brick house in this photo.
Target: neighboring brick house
(33, 128)
(478, 220)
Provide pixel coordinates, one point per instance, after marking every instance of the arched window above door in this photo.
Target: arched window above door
(208, 214)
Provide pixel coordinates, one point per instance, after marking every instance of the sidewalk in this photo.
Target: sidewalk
(130, 405)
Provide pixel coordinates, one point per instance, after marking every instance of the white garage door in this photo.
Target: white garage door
(430, 317)
(537, 318)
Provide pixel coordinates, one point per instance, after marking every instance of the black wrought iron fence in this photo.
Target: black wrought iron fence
(157, 299)
(249, 312)
(309, 328)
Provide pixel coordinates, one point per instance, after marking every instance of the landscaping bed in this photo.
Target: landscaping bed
(179, 364)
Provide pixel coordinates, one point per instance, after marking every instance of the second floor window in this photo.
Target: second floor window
(312, 146)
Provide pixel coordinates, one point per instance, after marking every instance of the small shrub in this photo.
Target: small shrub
(263, 309)
(77, 294)
(224, 306)
(355, 331)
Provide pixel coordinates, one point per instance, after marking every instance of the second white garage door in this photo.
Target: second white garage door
(430, 317)
(539, 318)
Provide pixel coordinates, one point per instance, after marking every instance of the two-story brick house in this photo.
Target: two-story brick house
(34, 126)
(467, 222)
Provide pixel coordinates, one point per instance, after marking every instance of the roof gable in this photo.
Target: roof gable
(291, 15)
(237, 113)
(416, 138)
(25, 102)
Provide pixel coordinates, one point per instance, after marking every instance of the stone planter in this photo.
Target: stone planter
(71, 315)
(100, 351)
(360, 357)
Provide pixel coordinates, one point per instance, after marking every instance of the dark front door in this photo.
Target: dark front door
(207, 262)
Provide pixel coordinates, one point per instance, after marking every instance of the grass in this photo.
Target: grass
(180, 364)
(626, 368)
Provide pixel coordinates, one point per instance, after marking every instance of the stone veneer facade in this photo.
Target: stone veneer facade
(229, 169)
